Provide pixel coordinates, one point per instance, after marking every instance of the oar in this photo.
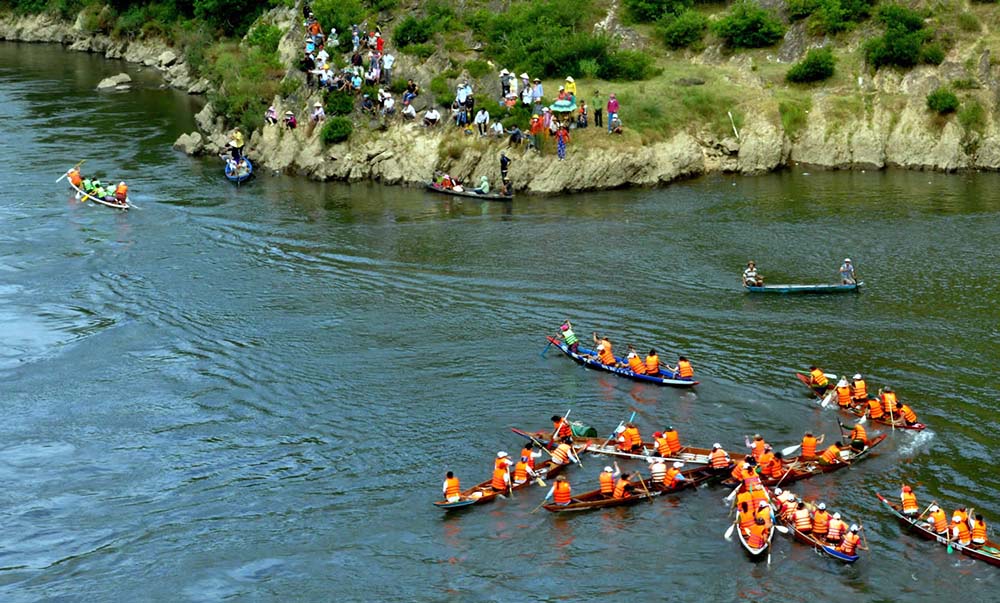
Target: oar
(729, 531)
(544, 500)
(732, 494)
(621, 424)
(919, 517)
(545, 349)
(540, 445)
(861, 528)
(825, 401)
(59, 179)
(782, 529)
(790, 467)
(643, 483)
(790, 449)
(556, 430)
(510, 483)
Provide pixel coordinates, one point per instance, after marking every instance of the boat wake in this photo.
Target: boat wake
(917, 443)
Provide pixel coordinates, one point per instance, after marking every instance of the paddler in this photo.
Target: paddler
(718, 458)
(501, 479)
(756, 536)
(572, 342)
(684, 369)
(979, 531)
(452, 489)
(858, 437)
(803, 522)
(502, 461)
(844, 399)
(236, 145)
(889, 403)
(652, 363)
(960, 530)
(820, 521)
(875, 410)
(523, 471)
(563, 454)
(909, 501)
(859, 390)
(674, 477)
(818, 381)
(851, 541)
(121, 192)
(635, 364)
(831, 455)
(532, 454)
(752, 278)
(560, 492)
(772, 467)
(607, 480)
(631, 439)
(605, 354)
(657, 469)
(623, 487)
(847, 272)
(835, 532)
(937, 521)
(809, 443)
(746, 516)
(561, 428)
(757, 446)
(908, 415)
(673, 440)
(764, 513)
(74, 177)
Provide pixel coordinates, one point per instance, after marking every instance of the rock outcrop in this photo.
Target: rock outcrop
(120, 81)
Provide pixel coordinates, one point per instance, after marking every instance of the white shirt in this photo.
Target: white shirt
(387, 61)
(389, 103)
(409, 111)
(483, 117)
(658, 471)
(432, 114)
(322, 57)
(497, 128)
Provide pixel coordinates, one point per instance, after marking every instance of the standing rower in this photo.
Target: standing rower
(570, 337)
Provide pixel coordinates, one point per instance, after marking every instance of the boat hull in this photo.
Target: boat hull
(664, 378)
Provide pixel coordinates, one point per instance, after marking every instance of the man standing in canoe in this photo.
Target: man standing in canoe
(566, 330)
(847, 273)
(751, 278)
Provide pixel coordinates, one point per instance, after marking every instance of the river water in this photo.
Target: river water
(253, 393)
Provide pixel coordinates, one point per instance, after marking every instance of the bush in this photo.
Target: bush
(800, 9)
(412, 30)
(943, 101)
(338, 14)
(231, 16)
(242, 80)
(972, 116)
(651, 10)
(627, 65)
(336, 129)
(903, 40)
(418, 50)
(969, 22)
(748, 26)
(266, 37)
(932, 54)
(832, 16)
(477, 68)
(383, 5)
(683, 30)
(338, 103)
(816, 66)
(442, 92)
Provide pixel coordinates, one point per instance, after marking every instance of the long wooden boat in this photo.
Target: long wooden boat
(596, 500)
(687, 454)
(820, 545)
(753, 552)
(108, 201)
(234, 176)
(484, 492)
(588, 358)
(989, 552)
(797, 469)
(468, 193)
(898, 422)
(832, 288)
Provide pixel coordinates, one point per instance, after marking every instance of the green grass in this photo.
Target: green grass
(794, 111)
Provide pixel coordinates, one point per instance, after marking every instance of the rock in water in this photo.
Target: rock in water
(190, 144)
(116, 81)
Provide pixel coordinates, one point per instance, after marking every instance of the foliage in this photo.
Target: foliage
(441, 90)
(794, 114)
(339, 15)
(684, 29)
(412, 30)
(338, 103)
(418, 50)
(800, 9)
(903, 40)
(748, 26)
(383, 5)
(942, 101)
(477, 68)
(969, 22)
(233, 17)
(651, 10)
(266, 37)
(816, 66)
(832, 16)
(336, 129)
(626, 65)
(932, 54)
(243, 79)
(972, 116)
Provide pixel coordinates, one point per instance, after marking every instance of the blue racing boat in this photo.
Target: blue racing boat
(588, 358)
(803, 288)
(239, 172)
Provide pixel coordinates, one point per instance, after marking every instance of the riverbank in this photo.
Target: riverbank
(860, 119)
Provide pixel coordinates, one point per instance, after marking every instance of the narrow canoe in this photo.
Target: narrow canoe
(833, 288)
(596, 500)
(484, 492)
(989, 552)
(900, 422)
(464, 193)
(798, 470)
(687, 454)
(663, 378)
(109, 201)
(822, 546)
(756, 553)
(235, 177)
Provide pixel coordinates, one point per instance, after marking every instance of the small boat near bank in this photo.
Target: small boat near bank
(468, 193)
(239, 173)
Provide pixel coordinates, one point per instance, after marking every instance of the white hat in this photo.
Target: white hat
(778, 491)
(122, 183)
(836, 515)
(600, 346)
(857, 375)
(956, 517)
(504, 72)
(608, 470)
(848, 260)
(716, 445)
(318, 104)
(501, 454)
(631, 354)
(678, 464)
(854, 527)
(620, 429)
(822, 506)
(746, 465)
(762, 504)
(569, 79)
(524, 75)
(933, 509)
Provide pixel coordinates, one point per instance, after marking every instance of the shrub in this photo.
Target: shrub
(816, 66)
(932, 54)
(972, 116)
(942, 101)
(338, 14)
(969, 22)
(412, 30)
(418, 50)
(336, 129)
(651, 10)
(242, 80)
(231, 16)
(683, 30)
(383, 5)
(441, 90)
(903, 39)
(800, 9)
(477, 68)
(832, 16)
(339, 103)
(748, 26)
(588, 68)
(266, 37)
(627, 65)
(793, 116)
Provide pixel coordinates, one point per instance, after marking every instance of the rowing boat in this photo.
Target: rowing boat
(464, 193)
(756, 553)
(588, 358)
(484, 492)
(234, 175)
(812, 540)
(833, 288)
(687, 454)
(989, 552)
(797, 469)
(858, 411)
(108, 201)
(597, 500)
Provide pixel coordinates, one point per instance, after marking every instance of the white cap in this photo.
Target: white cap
(569, 79)
(600, 346)
(854, 527)
(848, 260)
(631, 354)
(609, 470)
(933, 509)
(956, 517)
(501, 454)
(778, 491)
(836, 515)
(822, 506)
(620, 429)
(122, 183)
(318, 104)
(716, 445)
(857, 375)
(678, 464)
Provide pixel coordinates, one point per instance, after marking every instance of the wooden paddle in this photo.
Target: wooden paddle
(563, 420)
(729, 531)
(919, 517)
(790, 467)
(643, 483)
(790, 449)
(540, 505)
(729, 498)
(510, 483)
(539, 444)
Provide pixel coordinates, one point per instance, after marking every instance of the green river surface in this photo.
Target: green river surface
(253, 393)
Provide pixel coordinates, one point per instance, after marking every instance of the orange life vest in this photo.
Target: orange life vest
(765, 460)
(758, 448)
(670, 479)
(836, 530)
(521, 471)
(747, 518)
(562, 429)
(979, 531)
(858, 433)
(960, 532)
(121, 191)
(452, 487)
(499, 482)
(776, 469)
(625, 441)
(561, 494)
(860, 390)
(653, 365)
(850, 544)
(75, 178)
(808, 447)
(751, 481)
(889, 400)
(527, 453)
(620, 486)
(632, 434)
(607, 482)
(662, 445)
(939, 521)
(831, 454)
(962, 514)
(765, 514)
(718, 459)
(802, 521)
(606, 357)
(909, 502)
(636, 365)
(673, 441)
(757, 537)
(560, 455)
(844, 396)
(875, 409)
(821, 522)
(908, 414)
(757, 494)
(817, 378)
(684, 369)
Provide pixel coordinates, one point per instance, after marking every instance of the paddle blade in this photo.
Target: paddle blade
(729, 531)
(732, 494)
(863, 420)
(781, 529)
(790, 449)
(540, 482)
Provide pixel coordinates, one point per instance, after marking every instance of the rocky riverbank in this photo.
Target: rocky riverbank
(880, 121)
